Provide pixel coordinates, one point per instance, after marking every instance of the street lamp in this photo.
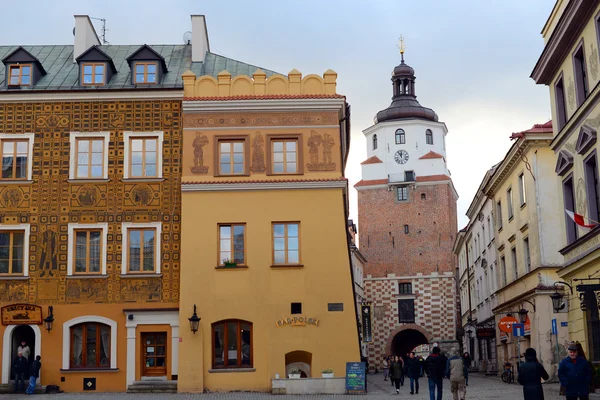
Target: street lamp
(523, 315)
(557, 302)
(49, 320)
(194, 321)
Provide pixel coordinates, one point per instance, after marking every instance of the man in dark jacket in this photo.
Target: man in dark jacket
(531, 374)
(575, 374)
(20, 368)
(435, 367)
(414, 371)
(34, 373)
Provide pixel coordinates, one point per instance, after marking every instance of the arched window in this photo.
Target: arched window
(429, 136)
(374, 142)
(90, 345)
(232, 344)
(400, 136)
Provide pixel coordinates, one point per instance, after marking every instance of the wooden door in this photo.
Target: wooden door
(154, 354)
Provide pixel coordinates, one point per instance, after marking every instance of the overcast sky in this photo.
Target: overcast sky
(472, 58)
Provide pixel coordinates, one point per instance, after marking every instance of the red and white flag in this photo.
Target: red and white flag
(581, 220)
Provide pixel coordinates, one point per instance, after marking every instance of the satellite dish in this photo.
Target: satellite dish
(187, 37)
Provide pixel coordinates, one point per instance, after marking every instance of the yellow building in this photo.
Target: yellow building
(265, 250)
(569, 65)
(523, 189)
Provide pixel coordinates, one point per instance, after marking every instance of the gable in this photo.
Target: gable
(564, 162)
(586, 139)
(20, 56)
(94, 53)
(147, 53)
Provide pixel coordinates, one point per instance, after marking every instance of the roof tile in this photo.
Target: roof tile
(430, 155)
(372, 160)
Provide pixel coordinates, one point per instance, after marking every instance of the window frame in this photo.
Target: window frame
(405, 288)
(400, 136)
(145, 64)
(20, 68)
(93, 65)
(503, 270)
(84, 346)
(580, 74)
(514, 259)
(269, 153)
(522, 189)
(245, 139)
(400, 189)
(30, 137)
(226, 344)
(592, 189)
(286, 237)
(572, 232)
(406, 320)
(128, 136)
(73, 161)
(527, 254)
(429, 137)
(87, 256)
(374, 141)
(510, 204)
(72, 228)
(560, 102)
(220, 263)
(499, 214)
(125, 227)
(26, 229)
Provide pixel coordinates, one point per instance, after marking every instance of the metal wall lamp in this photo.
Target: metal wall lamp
(194, 321)
(557, 297)
(49, 320)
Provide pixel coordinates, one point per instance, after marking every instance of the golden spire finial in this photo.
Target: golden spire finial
(401, 46)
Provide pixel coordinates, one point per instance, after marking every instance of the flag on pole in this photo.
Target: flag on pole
(581, 220)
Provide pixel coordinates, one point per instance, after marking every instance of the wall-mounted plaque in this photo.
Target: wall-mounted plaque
(16, 314)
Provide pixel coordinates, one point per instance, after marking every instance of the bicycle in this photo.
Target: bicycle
(508, 376)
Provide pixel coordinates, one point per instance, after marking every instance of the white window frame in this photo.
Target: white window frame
(27, 229)
(73, 152)
(125, 226)
(66, 349)
(20, 136)
(128, 135)
(71, 246)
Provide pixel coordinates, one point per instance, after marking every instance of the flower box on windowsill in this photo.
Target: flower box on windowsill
(327, 375)
(230, 265)
(294, 376)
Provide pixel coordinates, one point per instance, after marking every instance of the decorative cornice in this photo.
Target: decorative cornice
(267, 97)
(90, 95)
(317, 104)
(289, 184)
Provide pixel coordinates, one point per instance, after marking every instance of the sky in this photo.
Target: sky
(472, 58)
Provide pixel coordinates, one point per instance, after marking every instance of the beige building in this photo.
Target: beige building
(524, 190)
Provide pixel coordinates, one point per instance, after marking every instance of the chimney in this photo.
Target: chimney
(85, 35)
(199, 38)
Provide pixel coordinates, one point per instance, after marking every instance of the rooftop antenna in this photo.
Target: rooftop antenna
(187, 38)
(103, 30)
(401, 47)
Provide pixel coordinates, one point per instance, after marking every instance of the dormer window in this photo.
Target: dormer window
(93, 73)
(20, 75)
(145, 73)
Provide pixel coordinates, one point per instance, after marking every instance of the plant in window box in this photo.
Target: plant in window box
(228, 263)
(295, 374)
(327, 373)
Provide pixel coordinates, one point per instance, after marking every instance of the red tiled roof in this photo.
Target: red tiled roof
(371, 182)
(371, 160)
(431, 154)
(267, 97)
(537, 128)
(431, 178)
(341, 179)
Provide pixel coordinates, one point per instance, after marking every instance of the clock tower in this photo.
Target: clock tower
(407, 225)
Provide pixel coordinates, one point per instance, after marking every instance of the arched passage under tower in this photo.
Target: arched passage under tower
(404, 339)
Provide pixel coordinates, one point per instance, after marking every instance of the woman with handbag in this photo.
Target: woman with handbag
(531, 374)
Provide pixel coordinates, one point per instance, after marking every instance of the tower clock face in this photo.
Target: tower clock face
(401, 156)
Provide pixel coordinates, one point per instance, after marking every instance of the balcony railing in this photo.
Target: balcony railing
(402, 177)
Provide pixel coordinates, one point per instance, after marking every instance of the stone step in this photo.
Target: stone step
(157, 386)
(5, 388)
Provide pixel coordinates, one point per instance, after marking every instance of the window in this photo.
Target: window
(423, 196)
(374, 142)
(403, 193)
(513, 259)
(405, 288)
(499, 215)
(522, 193)
(286, 243)
(569, 200)
(406, 311)
(90, 345)
(591, 185)
(92, 74)
(87, 249)
(142, 243)
(429, 136)
(581, 80)
(406, 229)
(143, 155)
(15, 154)
(400, 136)
(145, 72)
(12, 251)
(20, 75)
(509, 200)
(296, 308)
(561, 107)
(409, 176)
(484, 236)
(490, 229)
(232, 344)
(90, 158)
(285, 156)
(232, 248)
(527, 255)
(503, 268)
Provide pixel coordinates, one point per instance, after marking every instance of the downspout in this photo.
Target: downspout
(538, 210)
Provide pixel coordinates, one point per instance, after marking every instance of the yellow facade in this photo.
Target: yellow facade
(257, 293)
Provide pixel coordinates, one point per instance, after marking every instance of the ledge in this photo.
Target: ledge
(87, 370)
(127, 276)
(133, 180)
(287, 266)
(523, 205)
(226, 370)
(15, 182)
(13, 278)
(220, 267)
(87, 276)
(87, 180)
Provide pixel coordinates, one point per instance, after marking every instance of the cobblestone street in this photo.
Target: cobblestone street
(480, 388)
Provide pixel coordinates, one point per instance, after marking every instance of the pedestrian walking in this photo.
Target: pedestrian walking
(467, 364)
(34, 373)
(396, 372)
(455, 371)
(402, 370)
(575, 375)
(20, 368)
(435, 367)
(414, 371)
(386, 368)
(531, 374)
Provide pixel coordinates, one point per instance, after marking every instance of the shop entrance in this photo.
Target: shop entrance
(20, 333)
(154, 354)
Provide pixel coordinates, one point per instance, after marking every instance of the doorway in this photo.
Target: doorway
(154, 354)
(20, 333)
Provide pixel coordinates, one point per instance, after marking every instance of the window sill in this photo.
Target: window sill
(133, 275)
(140, 179)
(287, 266)
(222, 267)
(510, 219)
(13, 278)
(523, 205)
(15, 182)
(226, 370)
(88, 180)
(500, 229)
(231, 175)
(87, 370)
(87, 276)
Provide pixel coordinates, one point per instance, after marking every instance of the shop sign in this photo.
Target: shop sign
(503, 336)
(484, 333)
(356, 377)
(505, 324)
(16, 314)
(527, 327)
(366, 312)
(297, 321)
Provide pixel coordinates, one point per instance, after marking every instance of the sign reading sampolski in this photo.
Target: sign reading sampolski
(366, 320)
(16, 314)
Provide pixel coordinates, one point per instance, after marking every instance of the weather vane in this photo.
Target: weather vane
(401, 46)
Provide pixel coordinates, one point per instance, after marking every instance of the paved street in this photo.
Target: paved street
(480, 388)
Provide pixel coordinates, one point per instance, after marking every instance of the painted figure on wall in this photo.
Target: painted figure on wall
(199, 142)
(49, 257)
(314, 142)
(258, 154)
(328, 143)
(324, 163)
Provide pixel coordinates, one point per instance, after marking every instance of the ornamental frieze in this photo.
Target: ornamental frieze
(264, 119)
